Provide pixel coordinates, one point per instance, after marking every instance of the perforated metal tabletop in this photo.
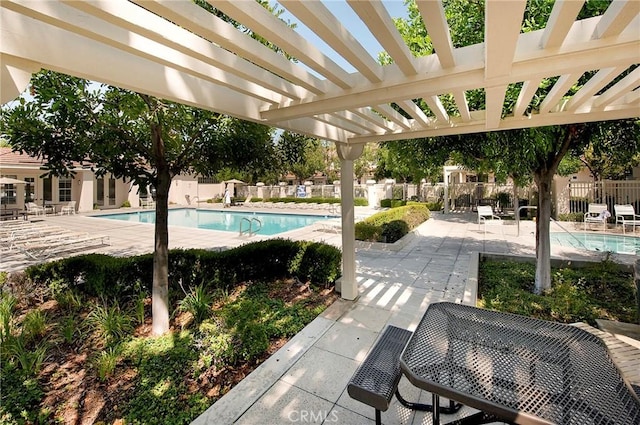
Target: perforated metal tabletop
(520, 369)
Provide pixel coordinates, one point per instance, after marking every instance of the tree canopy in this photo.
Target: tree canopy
(132, 136)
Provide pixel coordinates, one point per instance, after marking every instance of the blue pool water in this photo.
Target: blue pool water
(598, 242)
(272, 224)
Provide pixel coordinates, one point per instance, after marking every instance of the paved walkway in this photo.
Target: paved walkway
(305, 381)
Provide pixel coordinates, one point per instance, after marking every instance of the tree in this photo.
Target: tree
(300, 155)
(531, 153)
(132, 136)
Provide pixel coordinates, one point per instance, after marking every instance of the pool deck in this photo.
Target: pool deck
(305, 381)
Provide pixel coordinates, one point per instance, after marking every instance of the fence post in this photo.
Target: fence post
(637, 280)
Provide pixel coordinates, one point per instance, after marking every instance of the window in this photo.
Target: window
(64, 190)
(8, 193)
(29, 189)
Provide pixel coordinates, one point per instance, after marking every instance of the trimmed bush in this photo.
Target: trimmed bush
(378, 227)
(392, 203)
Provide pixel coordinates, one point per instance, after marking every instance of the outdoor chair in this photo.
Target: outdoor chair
(70, 208)
(596, 213)
(35, 209)
(486, 216)
(147, 202)
(626, 215)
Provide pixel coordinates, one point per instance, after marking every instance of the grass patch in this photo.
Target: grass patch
(601, 290)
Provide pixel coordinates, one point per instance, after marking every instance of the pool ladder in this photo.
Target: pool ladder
(250, 230)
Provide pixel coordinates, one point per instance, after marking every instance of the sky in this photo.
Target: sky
(345, 14)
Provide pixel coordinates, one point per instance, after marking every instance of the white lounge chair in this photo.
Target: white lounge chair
(486, 216)
(596, 213)
(70, 208)
(147, 202)
(626, 215)
(35, 209)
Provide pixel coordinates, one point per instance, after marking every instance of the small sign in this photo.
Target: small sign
(301, 192)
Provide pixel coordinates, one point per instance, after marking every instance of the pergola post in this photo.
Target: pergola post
(347, 154)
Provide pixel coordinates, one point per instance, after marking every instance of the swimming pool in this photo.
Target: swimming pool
(598, 242)
(228, 221)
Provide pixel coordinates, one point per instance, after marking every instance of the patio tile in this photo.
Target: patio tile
(348, 341)
(397, 413)
(285, 403)
(321, 373)
(363, 316)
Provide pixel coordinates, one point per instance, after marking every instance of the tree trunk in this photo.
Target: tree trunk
(160, 292)
(543, 242)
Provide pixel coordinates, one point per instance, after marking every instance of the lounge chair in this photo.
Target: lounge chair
(70, 208)
(147, 202)
(486, 216)
(596, 213)
(626, 215)
(35, 209)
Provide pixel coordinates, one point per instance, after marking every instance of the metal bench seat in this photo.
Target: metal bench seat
(376, 380)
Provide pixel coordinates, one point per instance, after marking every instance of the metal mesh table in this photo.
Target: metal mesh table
(519, 369)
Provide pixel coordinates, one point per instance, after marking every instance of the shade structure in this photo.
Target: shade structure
(234, 181)
(9, 180)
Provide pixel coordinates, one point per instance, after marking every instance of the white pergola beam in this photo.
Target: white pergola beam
(463, 105)
(594, 85)
(527, 92)
(622, 87)
(103, 63)
(410, 107)
(616, 18)
(316, 16)
(434, 19)
(437, 108)
(562, 17)
(503, 20)
(262, 22)
(507, 123)
(377, 19)
(393, 116)
(208, 26)
(494, 102)
(559, 89)
(129, 16)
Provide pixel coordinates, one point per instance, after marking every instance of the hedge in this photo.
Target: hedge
(118, 277)
(360, 202)
(389, 226)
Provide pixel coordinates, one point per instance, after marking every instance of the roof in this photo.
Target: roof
(9, 158)
(179, 51)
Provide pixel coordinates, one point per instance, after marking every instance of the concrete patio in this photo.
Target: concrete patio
(305, 381)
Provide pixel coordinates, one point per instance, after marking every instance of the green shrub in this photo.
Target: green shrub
(576, 217)
(126, 204)
(197, 302)
(371, 229)
(20, 398)
(360, 202)
(105, 362)
(68, 327)
(7, 306)
(385, 203)
(110, 324)
(28, 356)
(434, 206)
(34, 325)
(394, 231)
(320, 264)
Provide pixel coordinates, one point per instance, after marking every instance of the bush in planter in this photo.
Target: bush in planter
(394, 231)
(371, 228)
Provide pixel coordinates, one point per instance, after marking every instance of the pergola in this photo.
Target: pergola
(179, 51)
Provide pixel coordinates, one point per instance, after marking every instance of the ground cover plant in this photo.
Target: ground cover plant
(75, 334)
(602, 290)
